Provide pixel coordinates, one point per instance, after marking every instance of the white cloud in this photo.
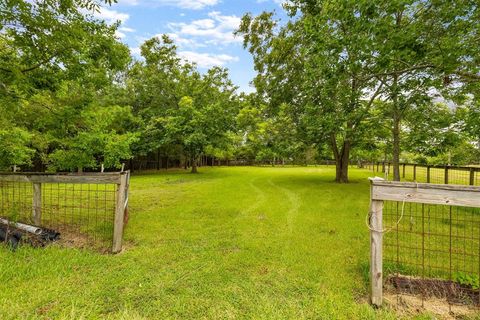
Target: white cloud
(111, 16)
(183, 42)
(126, 29)
(207, 60)
(136, 51)
(215, 30)
(192, 4)
(121, 32)
(184, 4)
(129, 2)
(279, 2)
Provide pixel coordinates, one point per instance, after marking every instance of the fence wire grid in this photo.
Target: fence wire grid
(432, 251)
(429, 174)
(83, 214)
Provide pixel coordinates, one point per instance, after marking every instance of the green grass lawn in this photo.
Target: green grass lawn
(228, 243)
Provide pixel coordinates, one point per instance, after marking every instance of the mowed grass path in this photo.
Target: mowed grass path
(228, 243)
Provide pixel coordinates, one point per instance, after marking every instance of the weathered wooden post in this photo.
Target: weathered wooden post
(414, 172)
(376, 247)
(428, 174)
(472, 176)
(403, 171)
(119, 213)
(446, 174)
(37, 204)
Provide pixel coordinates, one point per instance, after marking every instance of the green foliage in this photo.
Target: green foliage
(335, 61)
(184, 111)
(345, 79)
(469, 280)
(57, 65)
(14, 147)
(101, 138)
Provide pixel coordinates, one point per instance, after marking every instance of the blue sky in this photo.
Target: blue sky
(202, 29)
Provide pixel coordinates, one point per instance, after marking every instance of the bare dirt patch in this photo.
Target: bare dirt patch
(442, 298)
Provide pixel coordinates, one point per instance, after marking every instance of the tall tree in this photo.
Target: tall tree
(421, 48)
(318, 64)
(56, 63)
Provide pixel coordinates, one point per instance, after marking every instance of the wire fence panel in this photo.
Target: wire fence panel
(432, 242)
(428, 174)
(83, 209)
(426, 242)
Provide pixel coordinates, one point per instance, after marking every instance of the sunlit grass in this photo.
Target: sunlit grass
(264, 243)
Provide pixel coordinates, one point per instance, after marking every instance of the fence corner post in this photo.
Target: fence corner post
(37, 204)
(376, 250)
(119, 214)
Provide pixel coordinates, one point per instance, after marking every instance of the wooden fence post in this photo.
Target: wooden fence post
(119, 214)
(414, 172)
(472, 176)
(403, 173)
(376, 254)
(446, 174)
(428, 174)
(37, 204)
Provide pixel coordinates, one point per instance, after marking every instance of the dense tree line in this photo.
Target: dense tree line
(346, 80)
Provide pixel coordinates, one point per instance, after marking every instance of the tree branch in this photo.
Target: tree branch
(468, 75)
(400, 72)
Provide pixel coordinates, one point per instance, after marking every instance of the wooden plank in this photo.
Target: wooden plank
(63, 178)
(37, 204)
(119, 214)
(453, 195)
(376, 247)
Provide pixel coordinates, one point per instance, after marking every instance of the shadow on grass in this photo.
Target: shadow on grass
(317, 179)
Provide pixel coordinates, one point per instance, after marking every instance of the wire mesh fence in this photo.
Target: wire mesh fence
(429, 239)
(433, 251)
(428, 174)
(81, 208)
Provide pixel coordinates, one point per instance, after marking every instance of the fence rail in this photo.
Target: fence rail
(426, 239)
(88, 210)
(428, 173)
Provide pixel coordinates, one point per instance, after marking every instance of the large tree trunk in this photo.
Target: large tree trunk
(396, 148)
(342, 158)
(396, 131)
(194, 166)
